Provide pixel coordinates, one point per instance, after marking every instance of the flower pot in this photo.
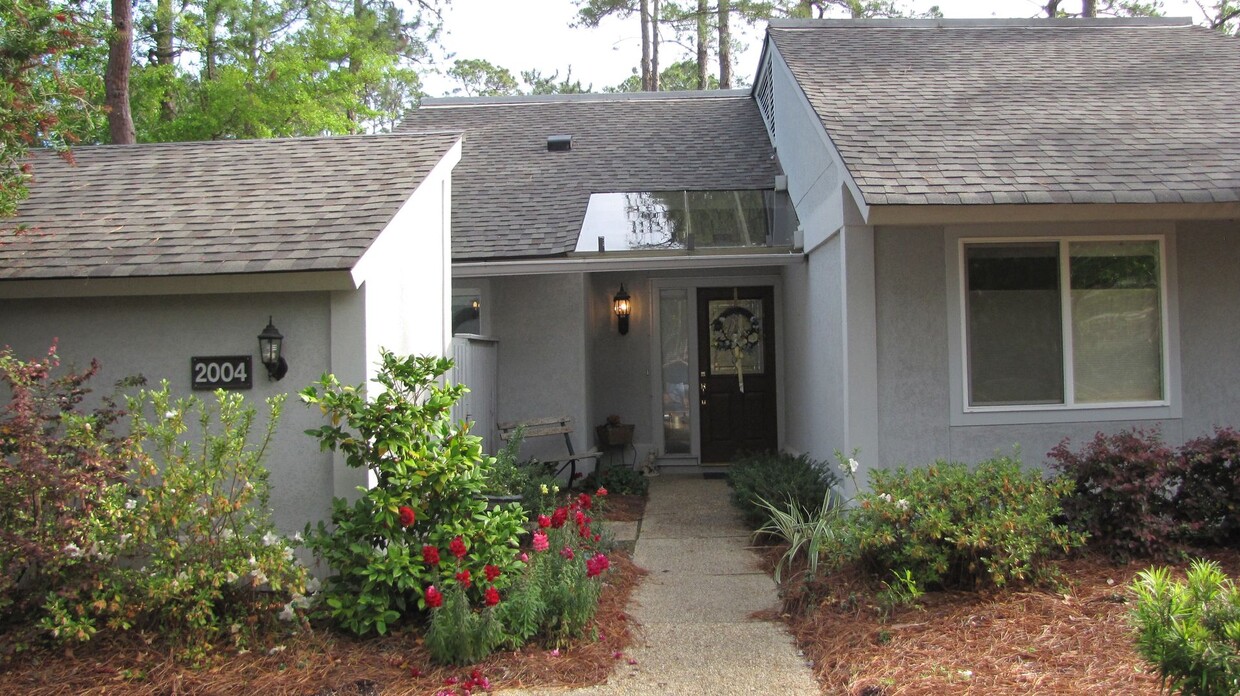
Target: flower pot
(494, 501)
(614, 435)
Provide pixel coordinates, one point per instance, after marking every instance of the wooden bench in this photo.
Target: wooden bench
(548, 427)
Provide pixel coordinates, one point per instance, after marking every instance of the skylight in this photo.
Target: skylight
(672, 220)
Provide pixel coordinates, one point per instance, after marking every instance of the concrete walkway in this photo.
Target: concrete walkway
(696, 634)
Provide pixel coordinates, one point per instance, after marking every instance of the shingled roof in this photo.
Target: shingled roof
(1024, 111)
(215, 207)
(512, 198)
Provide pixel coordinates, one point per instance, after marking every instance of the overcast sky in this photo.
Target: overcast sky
(524, 34)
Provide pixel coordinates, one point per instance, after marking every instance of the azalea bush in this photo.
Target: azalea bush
(1190, 631)
(778, 478)
(385, 547)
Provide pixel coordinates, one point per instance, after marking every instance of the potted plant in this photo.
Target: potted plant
(614, 433)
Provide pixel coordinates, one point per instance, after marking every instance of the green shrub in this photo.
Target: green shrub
(1190, 631)
(618, 480)
(955, 527)
(427, 501)
(778, 478)
(507, 475)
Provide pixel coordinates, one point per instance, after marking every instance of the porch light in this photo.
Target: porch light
(623, 307)
(270, 344)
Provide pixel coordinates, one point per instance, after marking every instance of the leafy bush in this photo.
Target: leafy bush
(618, 480)
(955, 527)
(507, 475)
(778, 478)
(62, 474)
(430, 475)
(1122, 488)
(1190, 631)
(1206, 503)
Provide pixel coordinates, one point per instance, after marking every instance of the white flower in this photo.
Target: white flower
(131, 504)
(72, 551)
(275, 650)
(169, 415)
(270, 539)
(288, 554)
(852, 465)
(231, 576)
(253, 562)
(287, 614)
(227, 534)
(125, 538)
(300, 601)
(313, 585)
(297, 538)
(902, 504)
(885, 497)
(260, 578)
(555, 489)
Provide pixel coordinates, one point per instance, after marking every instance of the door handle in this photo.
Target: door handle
(702, 386)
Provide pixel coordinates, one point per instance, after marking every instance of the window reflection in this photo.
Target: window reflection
(654, 220)
(674, 337)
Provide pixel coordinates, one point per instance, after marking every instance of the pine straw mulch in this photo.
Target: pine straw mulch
(1074, 640)
(625, 508)
(324, 663)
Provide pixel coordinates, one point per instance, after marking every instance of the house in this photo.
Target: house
(978, 233)
(149, 257)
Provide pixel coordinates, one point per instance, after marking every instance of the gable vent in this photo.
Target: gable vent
(559, 143)
(764, 93)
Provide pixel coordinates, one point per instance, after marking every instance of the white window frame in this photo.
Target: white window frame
(964, 413)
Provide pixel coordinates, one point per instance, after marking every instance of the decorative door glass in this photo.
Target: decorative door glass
(674, 337)
(736, 338)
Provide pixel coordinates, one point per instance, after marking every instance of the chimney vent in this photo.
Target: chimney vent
(559, 143)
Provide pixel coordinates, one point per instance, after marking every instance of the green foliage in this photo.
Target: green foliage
(618, 480)
(955, 527)
(507, 476)
(43, 93)
(459, 635)
(481, 78)
(903, 592)
(817, 535)
(799, 481)
(419, 459)
(1190, 631)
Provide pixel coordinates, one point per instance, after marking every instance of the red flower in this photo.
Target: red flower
(61, 17)
(434, 598)
(601, 492)
(492, 596)
(407, 516)
(430, 555)
(492, 572)
(463, 577)
(559, 517)
(567, 552)
(580, 517)
(585, 501)
(457, 547)
(596, 565)
(544, 521)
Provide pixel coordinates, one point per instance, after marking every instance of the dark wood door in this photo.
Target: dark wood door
(737, 412)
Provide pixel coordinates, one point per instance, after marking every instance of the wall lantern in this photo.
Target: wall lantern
(623, 307)
(270, 344)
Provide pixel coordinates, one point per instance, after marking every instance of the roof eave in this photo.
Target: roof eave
(959, 214)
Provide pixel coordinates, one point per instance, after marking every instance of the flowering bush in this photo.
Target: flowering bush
(384, 558)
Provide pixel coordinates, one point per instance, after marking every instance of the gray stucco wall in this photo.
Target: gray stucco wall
(156, 336)
(913, 351)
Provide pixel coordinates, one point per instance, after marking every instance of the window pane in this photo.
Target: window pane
(674, 334)
(1015, 331)
(465, 314)
(1116, 322)
(654, 220)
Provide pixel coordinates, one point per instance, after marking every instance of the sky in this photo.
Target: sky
(524, 34)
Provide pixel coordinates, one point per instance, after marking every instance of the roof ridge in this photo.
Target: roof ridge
(438, 102)
(249, 141)
(983, 23)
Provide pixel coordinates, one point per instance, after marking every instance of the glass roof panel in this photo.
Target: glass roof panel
(669, 220)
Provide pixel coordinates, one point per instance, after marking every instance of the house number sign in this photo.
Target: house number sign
(221, 372)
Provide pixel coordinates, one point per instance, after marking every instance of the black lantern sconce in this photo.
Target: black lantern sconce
(270, 345)
(623, 308)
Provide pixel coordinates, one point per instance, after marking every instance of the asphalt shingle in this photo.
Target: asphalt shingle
(512, 198)
(214, 207)
(1025, 111)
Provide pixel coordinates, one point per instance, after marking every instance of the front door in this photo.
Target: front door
(736, 371)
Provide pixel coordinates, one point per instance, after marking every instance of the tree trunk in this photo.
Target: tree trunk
(703, 29)
(355, 61)
(1052, 9)
(654, 45)
(165, 26)
(211, 21)
(116, 79)
(647, 83)
(1089, 8)
(725, 46)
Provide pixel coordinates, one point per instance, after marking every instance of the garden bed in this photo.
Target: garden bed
(1076, 640)
(323, 663)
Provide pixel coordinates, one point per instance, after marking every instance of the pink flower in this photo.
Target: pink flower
(601, 492)
(463, 577)
(596, 565)
(457, 547)
(540, 542)
(434, 598)
(567, 552)
(407, 516)
(430, 555)
(492, 572)
(544, 521)
(524, 557)
(492, 596)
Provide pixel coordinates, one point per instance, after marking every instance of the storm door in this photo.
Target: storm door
(736, 371)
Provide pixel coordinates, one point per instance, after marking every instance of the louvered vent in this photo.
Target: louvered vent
(765, 92)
